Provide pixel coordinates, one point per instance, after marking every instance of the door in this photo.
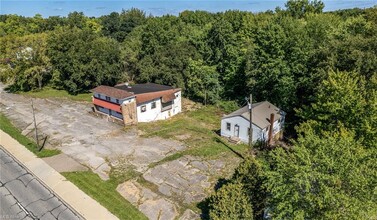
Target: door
(236, 130)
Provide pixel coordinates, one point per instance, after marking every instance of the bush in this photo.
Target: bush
(231, 202)
(228, 106)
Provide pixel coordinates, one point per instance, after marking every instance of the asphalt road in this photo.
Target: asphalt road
(22, 196)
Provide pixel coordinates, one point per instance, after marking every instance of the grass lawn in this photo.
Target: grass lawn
(197, 129)
(105, 193)
(8, 128)
(48, 92)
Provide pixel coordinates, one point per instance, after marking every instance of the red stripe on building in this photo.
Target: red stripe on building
(108, 105)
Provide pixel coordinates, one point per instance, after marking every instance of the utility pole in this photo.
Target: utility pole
(251, 121)
(35, 123)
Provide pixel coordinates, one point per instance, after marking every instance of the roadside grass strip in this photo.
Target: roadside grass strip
(9, 128)
(105, 193)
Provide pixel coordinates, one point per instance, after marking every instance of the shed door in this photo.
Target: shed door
(236, 130)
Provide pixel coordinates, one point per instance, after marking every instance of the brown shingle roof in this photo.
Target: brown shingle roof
(112, 92)
(261, 113)
(167, 96)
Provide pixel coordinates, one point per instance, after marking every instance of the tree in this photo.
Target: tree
(30, 67)
(325, 176)
(344, 99)
(267, 70)
(82, 60)
(298, 8)
(231, 202)
(202, 82)
(118, 26)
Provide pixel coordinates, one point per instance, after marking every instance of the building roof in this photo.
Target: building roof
(167, 96)
(112, 92)
(261, 113)
(143, 88)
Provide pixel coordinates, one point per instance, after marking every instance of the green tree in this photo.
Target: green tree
(326, 176)
(231, 202)
(82, 60)
(29, 66)
(345, 99)
(298, 8)
(202, 82)
(118, 26)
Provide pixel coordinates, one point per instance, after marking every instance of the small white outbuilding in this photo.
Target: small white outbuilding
(236, 124)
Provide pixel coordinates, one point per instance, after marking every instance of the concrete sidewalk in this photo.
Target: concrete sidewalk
(67, 191)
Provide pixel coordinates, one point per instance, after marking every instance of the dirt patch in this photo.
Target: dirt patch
(188, 105)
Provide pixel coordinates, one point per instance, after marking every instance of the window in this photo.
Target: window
(143, 108)
(108, 98)
(99, 96)
(117, 101)
(228, 126)
(153, 105)
(177, 95)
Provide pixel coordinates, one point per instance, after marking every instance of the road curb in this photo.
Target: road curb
(67, 192)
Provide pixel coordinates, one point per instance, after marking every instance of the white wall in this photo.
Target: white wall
(243, 129)
(258, 134)
(156, 114)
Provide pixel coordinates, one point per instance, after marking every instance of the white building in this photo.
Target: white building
(236, 125)
(137, 103)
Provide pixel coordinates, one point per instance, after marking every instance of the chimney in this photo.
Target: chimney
(270, 132)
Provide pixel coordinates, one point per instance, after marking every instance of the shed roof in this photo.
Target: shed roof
(112, 92)
(261, 113)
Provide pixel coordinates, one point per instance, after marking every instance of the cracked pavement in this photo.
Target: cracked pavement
(22, 196)
(91, 141)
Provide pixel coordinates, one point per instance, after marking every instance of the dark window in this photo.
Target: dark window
(153, 105)
(177, 95)
(228, 126)
(117, 101)
(108, 98)
(99, 96)
(143, 108)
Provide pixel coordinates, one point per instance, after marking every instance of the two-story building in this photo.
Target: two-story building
(137, 103)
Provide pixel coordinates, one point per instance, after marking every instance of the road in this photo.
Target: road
(22, 196)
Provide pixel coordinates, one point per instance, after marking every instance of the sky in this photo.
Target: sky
(155, 7)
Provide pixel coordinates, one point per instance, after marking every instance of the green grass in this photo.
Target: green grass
(105, 193)
(48, 92)
(10, 129)
(196, 129)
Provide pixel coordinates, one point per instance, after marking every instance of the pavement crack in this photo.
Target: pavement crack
(38, 200)
(57, 217)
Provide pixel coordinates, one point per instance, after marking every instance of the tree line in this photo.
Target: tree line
(321, 68)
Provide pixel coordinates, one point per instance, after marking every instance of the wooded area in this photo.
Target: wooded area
(321, 68)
